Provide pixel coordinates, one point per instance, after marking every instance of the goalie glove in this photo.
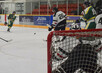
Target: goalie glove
(50, 27)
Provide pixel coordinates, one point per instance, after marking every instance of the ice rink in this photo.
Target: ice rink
(26, 53)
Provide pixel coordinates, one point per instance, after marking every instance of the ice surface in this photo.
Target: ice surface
(26, 53)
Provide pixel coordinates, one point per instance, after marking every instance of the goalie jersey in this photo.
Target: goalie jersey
(58, 17)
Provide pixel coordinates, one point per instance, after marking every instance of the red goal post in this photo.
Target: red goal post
(96, 33)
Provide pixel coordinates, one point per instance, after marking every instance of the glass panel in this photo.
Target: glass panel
(43, 7)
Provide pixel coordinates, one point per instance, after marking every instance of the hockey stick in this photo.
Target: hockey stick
(5, 40)
(49, 3)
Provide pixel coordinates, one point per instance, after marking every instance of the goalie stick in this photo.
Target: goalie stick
(5, 40)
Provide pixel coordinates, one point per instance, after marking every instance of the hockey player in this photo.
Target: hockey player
(59, 20)
(11, 19)
(89, 16)
(82, 58)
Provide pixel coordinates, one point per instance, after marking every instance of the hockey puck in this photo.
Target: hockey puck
(34, 33)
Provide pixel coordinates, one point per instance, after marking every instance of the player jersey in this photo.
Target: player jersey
(11, 16)
(89, 14)
(58, 17)
(98, 21)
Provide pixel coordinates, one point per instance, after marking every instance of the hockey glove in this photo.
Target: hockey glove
(50, 27)
(5, 23)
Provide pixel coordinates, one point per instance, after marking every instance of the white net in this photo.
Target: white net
(75, 51)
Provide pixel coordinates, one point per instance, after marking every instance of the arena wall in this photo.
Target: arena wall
(36, 21)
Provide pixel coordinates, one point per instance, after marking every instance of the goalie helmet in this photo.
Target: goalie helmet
(74, 26)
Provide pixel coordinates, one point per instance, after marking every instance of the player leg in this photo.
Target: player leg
(61, 26)
(57, 28)
(9, 26)
(9, 23)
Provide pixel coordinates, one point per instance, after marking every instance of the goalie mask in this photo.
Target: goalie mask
(74, 26)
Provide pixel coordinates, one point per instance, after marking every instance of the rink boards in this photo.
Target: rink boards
(36, 21)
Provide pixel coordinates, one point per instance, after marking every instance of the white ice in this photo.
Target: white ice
(26, 53)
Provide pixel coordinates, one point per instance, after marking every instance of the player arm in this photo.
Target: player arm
(53, 23)
(9, 17)
(51, 27)
(84, 17)
(14, 18)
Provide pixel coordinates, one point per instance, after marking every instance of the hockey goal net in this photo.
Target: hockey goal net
(75, 51)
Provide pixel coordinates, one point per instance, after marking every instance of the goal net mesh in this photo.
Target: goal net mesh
(75, 51)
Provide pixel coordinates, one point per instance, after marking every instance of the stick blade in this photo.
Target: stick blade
(9, 40)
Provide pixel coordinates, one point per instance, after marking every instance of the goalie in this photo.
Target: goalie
(82, 58)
